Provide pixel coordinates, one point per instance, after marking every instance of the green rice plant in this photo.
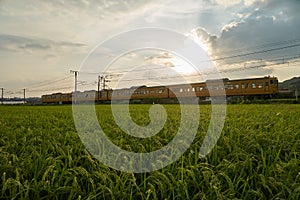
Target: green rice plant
(256, 157)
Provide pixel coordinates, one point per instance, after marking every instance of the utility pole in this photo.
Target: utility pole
(76, 75)
(75, 88)
(104, 79)
(99, 87)
(24, 95)
(2, 95)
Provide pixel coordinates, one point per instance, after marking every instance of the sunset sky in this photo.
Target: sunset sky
(41, 41)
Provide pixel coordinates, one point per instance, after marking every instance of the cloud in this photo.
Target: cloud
(29, 45)
(262, 30)
(228, 2)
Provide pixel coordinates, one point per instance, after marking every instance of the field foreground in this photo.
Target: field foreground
(256, 157)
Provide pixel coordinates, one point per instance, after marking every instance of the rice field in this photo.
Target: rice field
(256, 157)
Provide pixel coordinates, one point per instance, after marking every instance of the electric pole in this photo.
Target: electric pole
(76, 75)
(24, 95)
(75, 88)
(99, 86)
(104, 79)
(2, 95)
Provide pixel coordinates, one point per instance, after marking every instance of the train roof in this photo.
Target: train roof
(135, 87)
(246, 79)
(217, 80)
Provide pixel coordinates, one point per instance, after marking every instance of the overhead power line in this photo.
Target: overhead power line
(257, 52)
(255, 48)
(212, 72)
(52, 89)
(51, 82)
(119, 72)
(287, 59)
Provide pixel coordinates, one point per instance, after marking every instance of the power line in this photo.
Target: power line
(285, 60)
(118, 73)
(259, 46)
(51, 82)
(44, 83)
(216, 71)
(52, 89)
(256, 52)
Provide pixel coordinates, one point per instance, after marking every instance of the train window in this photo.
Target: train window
(237, 86)
(199, 88)
(181, 90)
(161, 91)
(253, 85)
(267, 83)
(193, 89)
(175, 89)
(246, 85)
(259, 85)
(243, 85)
(188, 89)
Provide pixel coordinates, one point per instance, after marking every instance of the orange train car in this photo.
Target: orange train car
(57, 98)
(264, 87)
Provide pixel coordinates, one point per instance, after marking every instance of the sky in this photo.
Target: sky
(41, 41)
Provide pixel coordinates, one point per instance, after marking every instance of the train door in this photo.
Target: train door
(267, 89)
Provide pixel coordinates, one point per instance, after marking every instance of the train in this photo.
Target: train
(250, 88)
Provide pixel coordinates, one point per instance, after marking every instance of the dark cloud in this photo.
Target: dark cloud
(23, 44)
(269, 32)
